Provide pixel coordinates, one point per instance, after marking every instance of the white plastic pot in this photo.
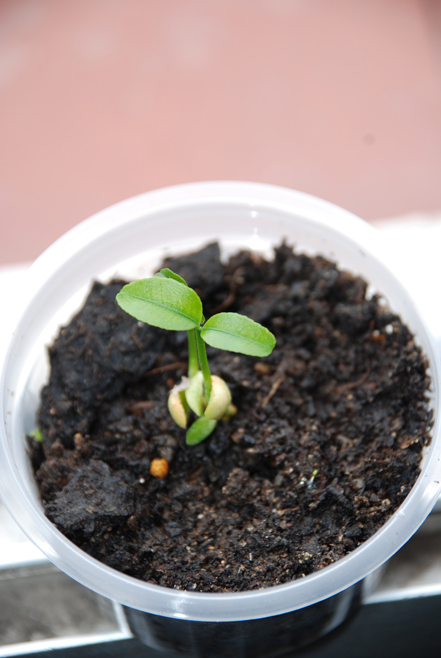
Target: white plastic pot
(129, 239)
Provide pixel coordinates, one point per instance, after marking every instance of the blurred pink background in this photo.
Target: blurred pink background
(104, 99)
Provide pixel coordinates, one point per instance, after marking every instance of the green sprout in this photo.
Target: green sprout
(166, 301)
(36, 435)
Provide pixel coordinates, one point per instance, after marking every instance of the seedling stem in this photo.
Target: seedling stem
(203, 362)
(193, 361)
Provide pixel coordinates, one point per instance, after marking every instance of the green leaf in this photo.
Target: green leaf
(168, 274)
(162, 302)
(201, 428)
(36, 435)
(237, 333)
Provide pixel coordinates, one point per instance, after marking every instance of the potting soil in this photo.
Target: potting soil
(325, 446)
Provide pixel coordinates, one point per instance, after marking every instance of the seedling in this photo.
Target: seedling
(166, 301)
(36, 435)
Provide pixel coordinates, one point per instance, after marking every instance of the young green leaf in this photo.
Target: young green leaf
(168, 274)
(237, 333)
(162, 302)
(36, 435)
(201, 428)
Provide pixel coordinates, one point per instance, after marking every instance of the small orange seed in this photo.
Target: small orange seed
(159, 468)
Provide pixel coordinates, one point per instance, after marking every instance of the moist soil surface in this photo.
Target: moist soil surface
(324, 448)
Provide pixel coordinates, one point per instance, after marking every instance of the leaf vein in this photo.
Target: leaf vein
(231, 333)
(168, 308)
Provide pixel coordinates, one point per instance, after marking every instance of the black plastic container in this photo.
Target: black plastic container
(255, 638)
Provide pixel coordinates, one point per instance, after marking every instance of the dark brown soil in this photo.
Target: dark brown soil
(325, 446)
